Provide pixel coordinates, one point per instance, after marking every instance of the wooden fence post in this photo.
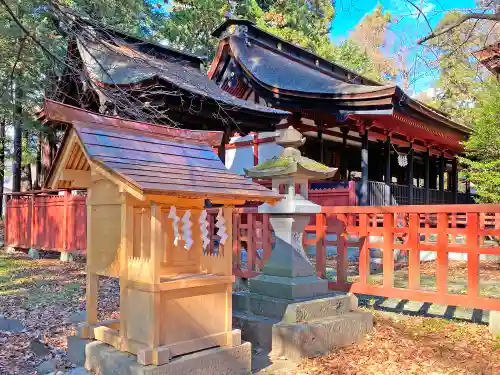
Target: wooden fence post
(472, 238)
(414, 252)
(364, 251)
(320, 245)
(388, 254)
(266, 237)
(236, 245)
(8, 201)
(342, 259)
(442, 253)
(32, 220)
(251, 250)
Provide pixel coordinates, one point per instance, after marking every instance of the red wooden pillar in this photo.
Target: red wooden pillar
(320, 245)
(363, 191)
(255, 145)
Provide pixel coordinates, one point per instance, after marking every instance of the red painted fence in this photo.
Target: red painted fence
(352, 235)
(46, 221)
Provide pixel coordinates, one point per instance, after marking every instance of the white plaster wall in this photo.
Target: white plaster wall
(242, 157)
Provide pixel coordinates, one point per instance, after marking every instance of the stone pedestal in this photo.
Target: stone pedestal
(104, 359)
(288, 310)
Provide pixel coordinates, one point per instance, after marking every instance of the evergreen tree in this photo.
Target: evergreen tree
(305, 23)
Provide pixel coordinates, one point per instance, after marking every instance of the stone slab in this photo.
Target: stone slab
(289, 287)
(254, 328)
(298, 341)
(11, 325)
(293, 311)
(241, 301)
(106, 360)
(34, 253)
(494, 322)
(76, 350)
(66, 257)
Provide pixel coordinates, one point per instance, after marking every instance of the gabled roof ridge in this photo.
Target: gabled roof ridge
(219, 30)
(321, 71)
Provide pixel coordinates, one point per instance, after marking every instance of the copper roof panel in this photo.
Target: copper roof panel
(283, 73)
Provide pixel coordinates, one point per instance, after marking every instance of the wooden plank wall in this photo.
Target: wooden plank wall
(46, 222)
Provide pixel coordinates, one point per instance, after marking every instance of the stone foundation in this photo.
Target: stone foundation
(104, 359)
(296, 329)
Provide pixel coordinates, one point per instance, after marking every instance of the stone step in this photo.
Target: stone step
(319, 308)
(294, 311)
(318, 337)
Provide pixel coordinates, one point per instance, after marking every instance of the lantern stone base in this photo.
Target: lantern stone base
(296, 329)
(104, 359)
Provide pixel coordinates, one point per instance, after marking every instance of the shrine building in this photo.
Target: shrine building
(389, 149)
(399, 150)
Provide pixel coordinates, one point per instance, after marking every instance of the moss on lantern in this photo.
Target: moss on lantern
(285, 161)
(275, 162)
(314, 165)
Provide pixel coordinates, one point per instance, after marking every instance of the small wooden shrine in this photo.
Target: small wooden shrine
(146, 225)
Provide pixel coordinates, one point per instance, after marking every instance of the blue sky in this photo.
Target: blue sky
(405, 30)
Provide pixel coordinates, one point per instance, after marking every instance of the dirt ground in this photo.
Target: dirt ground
(44, 294)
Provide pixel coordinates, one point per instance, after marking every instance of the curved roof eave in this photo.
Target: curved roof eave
(283, 74)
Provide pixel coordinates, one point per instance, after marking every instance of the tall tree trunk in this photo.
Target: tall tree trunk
(38, 177)
(2, 162)
(26, 180)
(18, 151)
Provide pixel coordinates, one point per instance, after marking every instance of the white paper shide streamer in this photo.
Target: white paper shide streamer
(175, 224)
(186, 230)
(220, 224)
(204, 229)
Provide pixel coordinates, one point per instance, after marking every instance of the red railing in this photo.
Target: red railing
(46, 221)
(400, 234)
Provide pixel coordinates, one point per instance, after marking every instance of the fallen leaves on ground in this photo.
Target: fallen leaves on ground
(43, 294)
(414, 346)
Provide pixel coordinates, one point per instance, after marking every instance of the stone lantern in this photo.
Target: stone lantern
(288, 272)
(288, 309)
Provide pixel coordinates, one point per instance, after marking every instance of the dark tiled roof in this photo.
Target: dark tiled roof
(124, 65)
(276, 70)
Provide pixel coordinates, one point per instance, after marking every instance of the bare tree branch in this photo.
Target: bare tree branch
(460, 21)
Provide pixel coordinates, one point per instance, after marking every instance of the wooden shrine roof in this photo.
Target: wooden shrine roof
(490, 57)
(291, 78)
(153, 159)
(121, 60)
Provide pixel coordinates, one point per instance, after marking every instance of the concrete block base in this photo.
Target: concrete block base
(296, 341)
(66, 257)
(494, 322)
(289, 287)
(298, 310)
(255, 328)
(299, 340)
(106, 360)
(34, 253)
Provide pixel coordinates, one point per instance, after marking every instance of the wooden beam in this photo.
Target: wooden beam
(426, 176)
(363, 199)
(387, 176)
(454, 179)
(78, 178)
(410, 176)
(441, 177)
